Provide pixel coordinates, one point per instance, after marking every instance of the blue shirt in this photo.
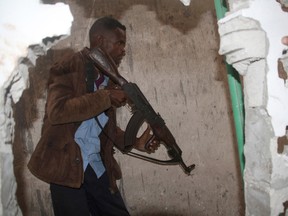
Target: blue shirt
(87, 137)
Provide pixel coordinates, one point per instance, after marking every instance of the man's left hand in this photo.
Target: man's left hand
(147, 142)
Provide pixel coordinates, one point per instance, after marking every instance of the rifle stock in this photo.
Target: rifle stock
(142, 112)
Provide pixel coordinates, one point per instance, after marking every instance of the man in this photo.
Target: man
(82, 176)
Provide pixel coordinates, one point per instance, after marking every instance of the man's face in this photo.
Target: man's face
(114, 44)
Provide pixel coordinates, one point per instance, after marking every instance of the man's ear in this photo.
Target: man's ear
(97, 40)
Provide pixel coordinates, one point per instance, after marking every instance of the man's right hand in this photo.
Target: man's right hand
(118, 97)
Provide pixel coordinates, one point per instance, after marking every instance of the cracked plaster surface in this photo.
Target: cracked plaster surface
(251, 41)
(254, 39)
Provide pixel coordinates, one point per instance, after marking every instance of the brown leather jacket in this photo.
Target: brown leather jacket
(57, 157)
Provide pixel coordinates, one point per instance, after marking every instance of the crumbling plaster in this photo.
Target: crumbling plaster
(16, 25)
(251, 35)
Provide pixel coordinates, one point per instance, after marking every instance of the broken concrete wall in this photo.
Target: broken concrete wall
(251, 41)
(172, 56)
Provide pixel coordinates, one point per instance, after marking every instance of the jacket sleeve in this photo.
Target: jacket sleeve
(119, 140)
(64, 104)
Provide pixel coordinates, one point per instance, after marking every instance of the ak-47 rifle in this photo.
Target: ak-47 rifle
(142, 112)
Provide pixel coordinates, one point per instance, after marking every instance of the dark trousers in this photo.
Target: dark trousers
(93, 198)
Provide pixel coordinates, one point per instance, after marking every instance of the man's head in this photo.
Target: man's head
(110, 35)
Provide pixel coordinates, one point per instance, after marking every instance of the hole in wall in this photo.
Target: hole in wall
(283, 143)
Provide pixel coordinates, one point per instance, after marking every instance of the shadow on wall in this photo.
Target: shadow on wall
(25, 114)
(172, 12)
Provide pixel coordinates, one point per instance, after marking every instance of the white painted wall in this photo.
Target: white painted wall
(251, 36)
(275, 26)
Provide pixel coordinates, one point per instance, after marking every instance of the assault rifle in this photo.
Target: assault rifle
(142, 112)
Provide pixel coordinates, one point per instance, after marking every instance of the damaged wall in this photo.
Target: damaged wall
(251, 41)
(20, 29)
(172, 56)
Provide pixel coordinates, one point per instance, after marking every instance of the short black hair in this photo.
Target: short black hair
(105, 23)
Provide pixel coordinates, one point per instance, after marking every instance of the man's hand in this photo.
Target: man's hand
(285, 40)
(117, 96)
(146, 137)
